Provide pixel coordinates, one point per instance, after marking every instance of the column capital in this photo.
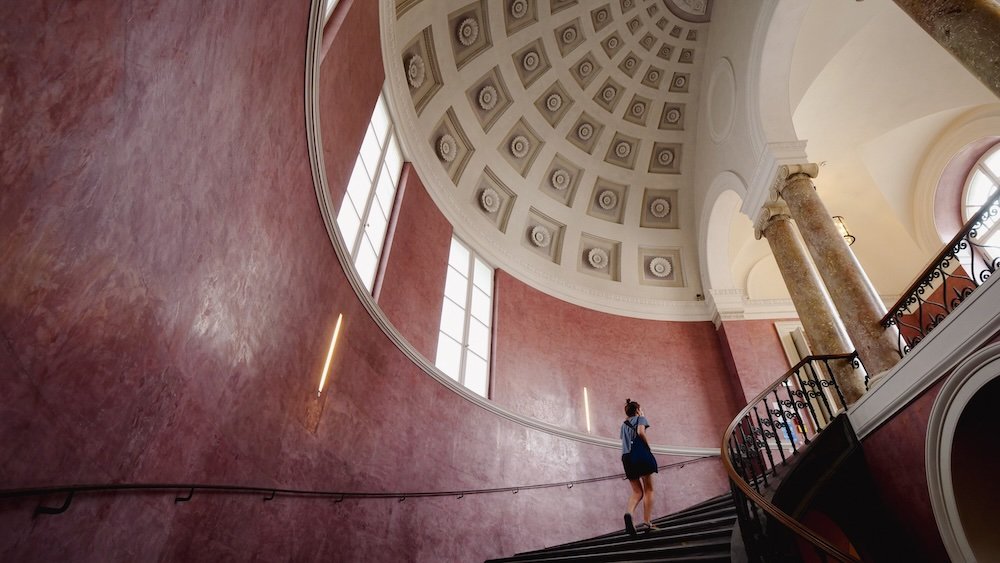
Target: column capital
(787, 171)
(769, 214)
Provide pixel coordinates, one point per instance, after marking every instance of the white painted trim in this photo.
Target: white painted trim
(315, 147)
(963, 332)
(968, 378)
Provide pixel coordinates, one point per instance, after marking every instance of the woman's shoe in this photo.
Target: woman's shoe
(628, 525)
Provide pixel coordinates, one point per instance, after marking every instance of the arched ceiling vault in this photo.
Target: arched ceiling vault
(557, 137)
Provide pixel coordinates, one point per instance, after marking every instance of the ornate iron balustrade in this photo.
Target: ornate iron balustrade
(964, 264)
(764, 437)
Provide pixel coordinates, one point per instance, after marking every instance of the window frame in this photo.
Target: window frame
(468, 317)
(967, 211)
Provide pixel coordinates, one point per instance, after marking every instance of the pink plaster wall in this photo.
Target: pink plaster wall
(167, 297)
(548, 350)
(411, 287)
(753, 354)
(351, 77)
(895, 456)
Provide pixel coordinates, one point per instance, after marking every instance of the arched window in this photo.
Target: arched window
(981, 186)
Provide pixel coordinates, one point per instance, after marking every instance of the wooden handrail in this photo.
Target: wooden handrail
(784, 518)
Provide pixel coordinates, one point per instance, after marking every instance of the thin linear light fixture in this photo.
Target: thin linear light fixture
(586, 408)
(329, 355)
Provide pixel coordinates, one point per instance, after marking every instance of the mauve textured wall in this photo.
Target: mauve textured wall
(167, 294)
(753, 354)
(412, 287)
(895, 456)
(548, 350)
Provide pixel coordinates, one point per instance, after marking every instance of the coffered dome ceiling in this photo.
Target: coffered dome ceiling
(556, 136)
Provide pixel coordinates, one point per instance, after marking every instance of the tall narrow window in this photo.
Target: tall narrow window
(980, 188)
(463, 350)
(364, 214)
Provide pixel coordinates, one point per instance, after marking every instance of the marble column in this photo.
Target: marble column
(825, 332)
(860, 307)
(968, 29)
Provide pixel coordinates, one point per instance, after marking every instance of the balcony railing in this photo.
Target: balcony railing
(965, 263)
(766, 435)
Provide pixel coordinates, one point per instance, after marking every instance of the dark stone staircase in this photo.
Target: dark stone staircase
(701, 533)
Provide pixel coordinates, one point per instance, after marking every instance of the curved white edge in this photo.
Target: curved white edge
(315, 146)
(968, 378)
(977, 123)
(961, 333)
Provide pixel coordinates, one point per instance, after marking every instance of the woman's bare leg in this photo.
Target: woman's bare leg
(646, 495)
(635, 497)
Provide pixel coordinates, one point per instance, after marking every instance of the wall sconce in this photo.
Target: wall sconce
(838, 221)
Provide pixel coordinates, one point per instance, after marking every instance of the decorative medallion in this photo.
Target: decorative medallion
(519, 8)
(553, 102)
(488, 97)
(660, 267)
(468, 31)
(679, 82)
(540, 236)
(612, 43)
(447, 148)
(601, 16)
(665, 157)
(672, 116)
(607, 199)
(530, 61)
(623, 149)
(659, 207)
(585, 68)
(489, 199)
(569, 35)
(415, 71)
(653, 75)
(630, 63)
(638, 109)
(520, 146)
(585, 131)
(598, 258)
(560, 179)
(608, 93)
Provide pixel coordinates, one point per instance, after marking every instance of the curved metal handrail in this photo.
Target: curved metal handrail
(751, 491)
(269, 493)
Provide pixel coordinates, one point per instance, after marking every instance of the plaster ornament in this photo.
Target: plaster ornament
(608, 93)
(601, 16)
(638, 109)
(540, 236)
(665, 158)
(519, 146)
(585, 68)
(585, 131)
(659, 207)
(630, 63)
(647, 41)
(660, 267)
(623, 149)
(560, 179)
(415, 71)
(519, 8)
(626, 5)
(607, 199)
(598, 258)
(447, 148)
(569, 35)
(612, 43)
(488, 97)
(673, 115)
(489, 199)
(468, 31)
(696, 7)
(553, 102)
(680, 81)
(633, 25)
(653, 75)
(530, 61)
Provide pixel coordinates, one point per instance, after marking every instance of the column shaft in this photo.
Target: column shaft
(968, 29)
(859, 305)
(825, 332)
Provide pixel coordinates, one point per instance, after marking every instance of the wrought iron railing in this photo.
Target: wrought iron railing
(184, 492)
(965, 263)
(764, 438)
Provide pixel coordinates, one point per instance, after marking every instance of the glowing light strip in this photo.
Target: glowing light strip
(329, 355)
(586, 408)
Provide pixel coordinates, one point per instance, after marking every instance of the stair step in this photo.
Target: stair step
(722, 520)
(652, 540)
(635, 550)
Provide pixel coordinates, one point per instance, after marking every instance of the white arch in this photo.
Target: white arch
(722, 202)
(969, 377)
